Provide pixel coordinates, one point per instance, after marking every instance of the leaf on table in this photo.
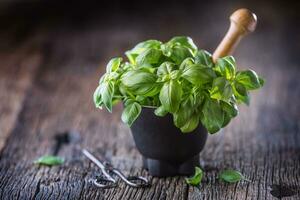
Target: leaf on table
(231, 176)
(196, 179)
(49, 160)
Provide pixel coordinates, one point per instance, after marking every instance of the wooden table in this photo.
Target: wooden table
(46, 84)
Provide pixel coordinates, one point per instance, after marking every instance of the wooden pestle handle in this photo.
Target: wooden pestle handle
(242, 21)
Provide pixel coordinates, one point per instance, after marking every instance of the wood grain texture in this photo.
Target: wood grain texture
(50, 100)
(17, 70)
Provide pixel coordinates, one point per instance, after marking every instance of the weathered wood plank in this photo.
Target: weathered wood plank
(17, 70)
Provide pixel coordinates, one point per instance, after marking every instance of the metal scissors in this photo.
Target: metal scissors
(108, 181)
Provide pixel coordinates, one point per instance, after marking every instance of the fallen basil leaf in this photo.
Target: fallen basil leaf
(49, 160)
(196, 179)
(231, 176)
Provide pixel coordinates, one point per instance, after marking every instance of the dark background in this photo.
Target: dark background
(205, 21)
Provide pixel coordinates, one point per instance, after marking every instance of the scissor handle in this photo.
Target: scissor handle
(138, 181)
(103, 182)
(134, 181)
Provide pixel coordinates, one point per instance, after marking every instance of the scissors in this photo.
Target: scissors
(108, 181)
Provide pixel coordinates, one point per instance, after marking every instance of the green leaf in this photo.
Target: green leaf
(191, 124)
(184, 113)
(204, 58)
(97, 97)
(107, 93)
(221, 89)
(198, 74)
(183, 41)
(140, 48)
(196, 179)
(241, 94)
(212, 115)
(165, 68)
(261, 81)
(149, 57)
(187, 62)
(49, 160)
(231, 176)
(179, 54)
(226, 66)
(160, 111)
(131, 113)
(170, 95)
(230, 111)
(113, 64)
(249, 79)
(140, 82)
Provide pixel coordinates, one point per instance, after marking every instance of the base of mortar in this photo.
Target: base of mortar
(161, 168)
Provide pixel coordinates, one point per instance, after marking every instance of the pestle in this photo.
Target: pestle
(242, 22)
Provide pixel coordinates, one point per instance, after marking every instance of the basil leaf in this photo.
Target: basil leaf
(140, 48)
(184, 113)
(183, 41)
(198, 74)
(261, 81)
(107, 92)
(149, 57)
(165, 68)
(49, 160)
(248, 79)
(221, 89)
(113, 64)
(204, 58)
(160, 111)
(170, 95)
(226, 66)
(179, 53)
(97, 97)
(196, 179)
(131, 113)
(140, 82)
(230, 111)
(241, 94)
(212, 115)
(231, 176)
(185, 63)
(191, 124)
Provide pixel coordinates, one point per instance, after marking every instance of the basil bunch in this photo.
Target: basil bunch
(177, 78)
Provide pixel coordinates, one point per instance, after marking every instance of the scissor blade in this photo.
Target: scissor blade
(93, 159)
